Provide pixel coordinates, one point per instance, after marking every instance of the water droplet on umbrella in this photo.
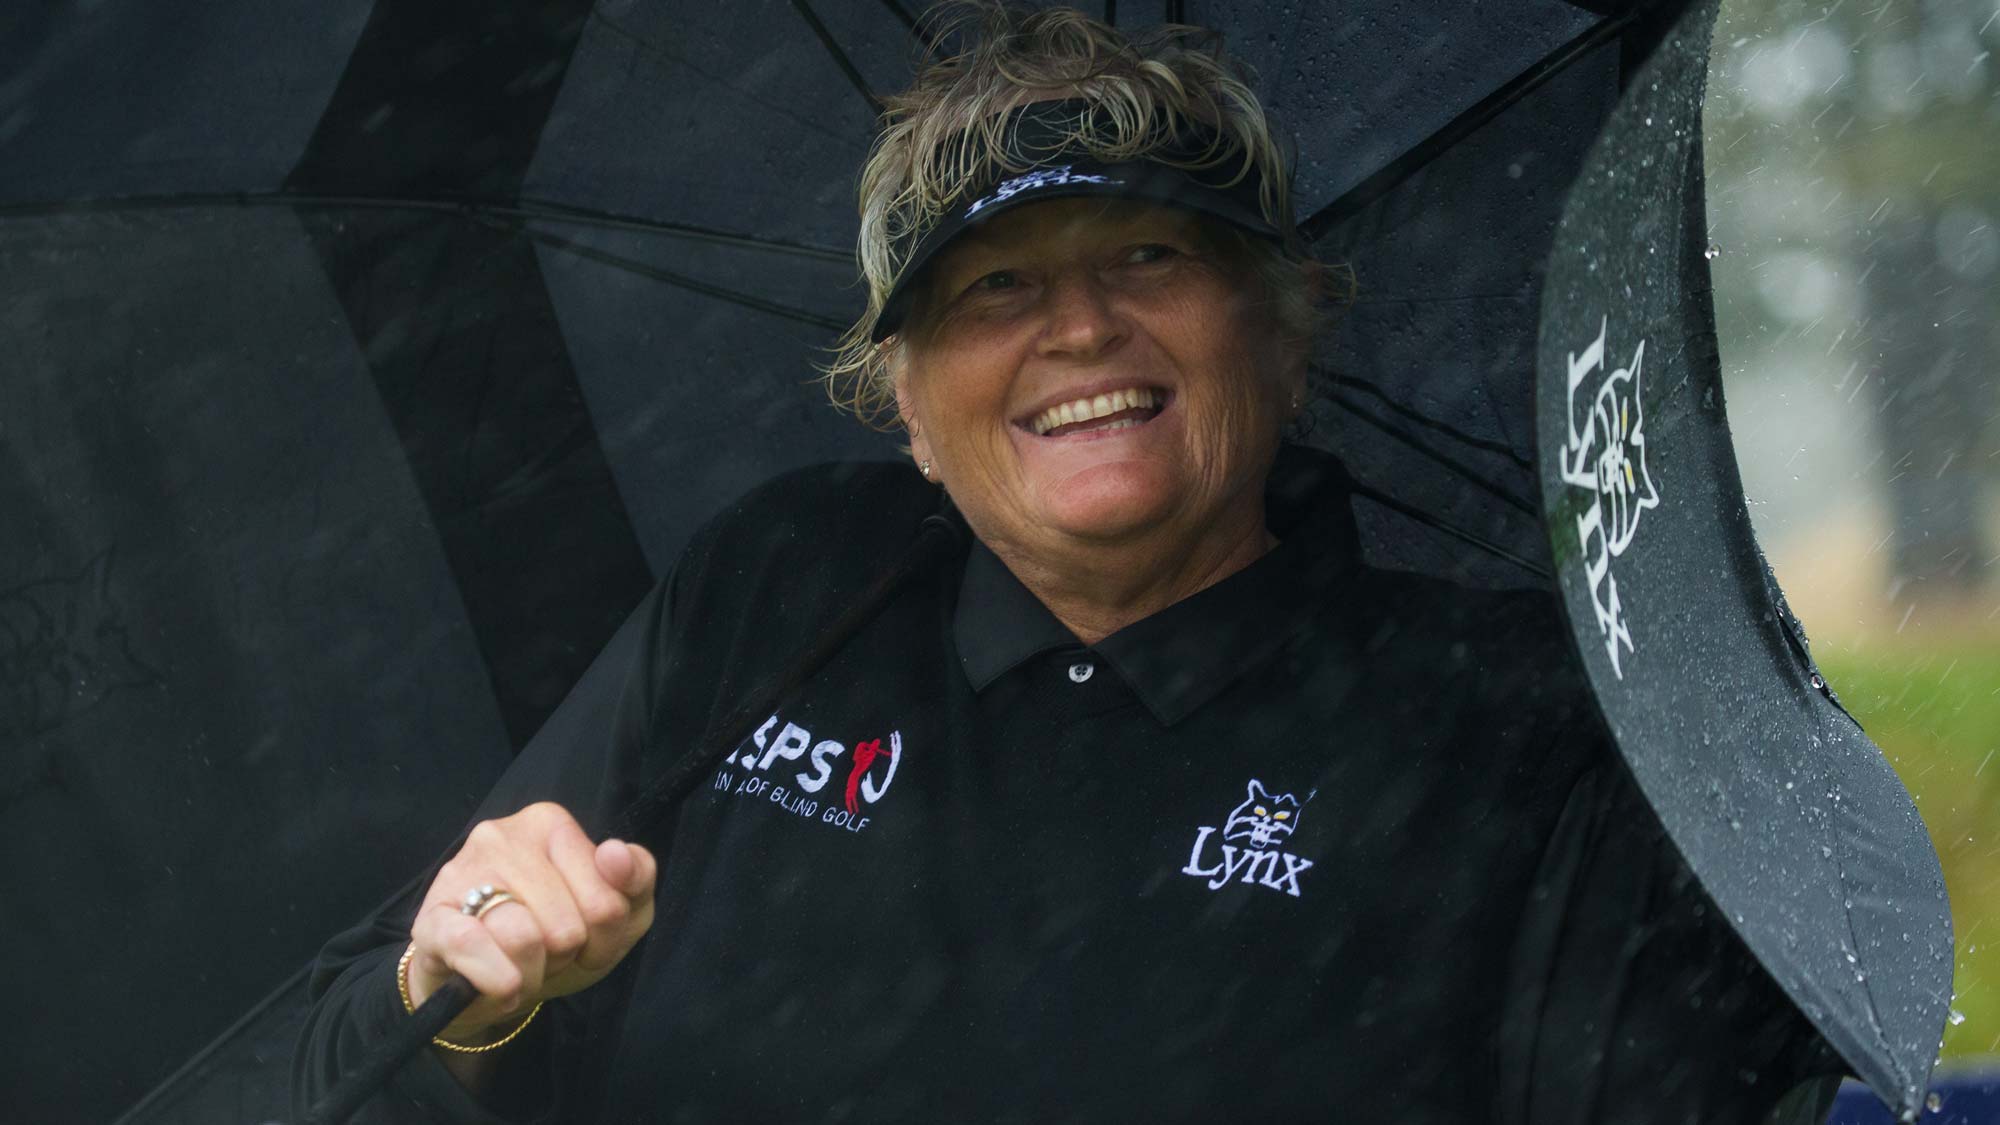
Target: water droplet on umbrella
(1713, 252)
(1933, 1103)
(1957, 1017)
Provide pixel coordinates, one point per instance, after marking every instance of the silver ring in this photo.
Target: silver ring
(481, 899)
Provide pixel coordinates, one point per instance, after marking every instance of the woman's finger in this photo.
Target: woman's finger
(613, 860)
(639, 884)
(514, 929)
(603, 906)
(449, 942)
(527, 873)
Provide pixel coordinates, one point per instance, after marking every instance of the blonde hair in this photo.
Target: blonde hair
(946, 136)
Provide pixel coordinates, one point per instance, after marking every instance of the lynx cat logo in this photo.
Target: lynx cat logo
(1606, 454)
(1261, 821)
(1040, 177)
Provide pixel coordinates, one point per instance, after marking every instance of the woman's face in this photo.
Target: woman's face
(1084, 372)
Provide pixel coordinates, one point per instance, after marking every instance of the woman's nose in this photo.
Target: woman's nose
(1081, 321)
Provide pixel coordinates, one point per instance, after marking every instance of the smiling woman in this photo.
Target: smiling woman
(1102, 396)
(1155, 802)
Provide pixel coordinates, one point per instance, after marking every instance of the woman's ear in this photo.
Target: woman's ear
(906, 411)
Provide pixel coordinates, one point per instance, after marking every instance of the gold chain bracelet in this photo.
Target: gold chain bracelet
(403, 989)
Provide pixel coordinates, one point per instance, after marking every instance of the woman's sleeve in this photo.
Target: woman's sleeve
(584, 758)
(1632, 999)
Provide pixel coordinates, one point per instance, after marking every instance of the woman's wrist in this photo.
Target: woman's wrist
(489, 1038)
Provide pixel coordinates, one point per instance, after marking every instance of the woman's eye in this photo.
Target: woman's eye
(998, 279)
(1151, 252)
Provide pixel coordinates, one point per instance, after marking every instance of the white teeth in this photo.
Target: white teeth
(1085, 409)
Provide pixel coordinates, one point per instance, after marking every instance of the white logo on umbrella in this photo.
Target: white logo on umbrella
(1606, 454)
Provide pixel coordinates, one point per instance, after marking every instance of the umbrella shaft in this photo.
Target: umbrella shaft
(431, 1017)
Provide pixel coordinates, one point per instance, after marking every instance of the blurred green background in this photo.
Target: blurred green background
(1853, 189)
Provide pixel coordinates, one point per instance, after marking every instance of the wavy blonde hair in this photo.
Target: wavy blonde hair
(947, 135)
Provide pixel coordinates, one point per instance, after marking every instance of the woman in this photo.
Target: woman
(1156, 802)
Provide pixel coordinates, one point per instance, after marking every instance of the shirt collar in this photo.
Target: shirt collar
(1179, 658)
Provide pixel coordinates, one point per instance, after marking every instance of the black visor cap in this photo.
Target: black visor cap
(1061, 175)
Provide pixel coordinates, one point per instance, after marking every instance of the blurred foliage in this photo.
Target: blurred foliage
(1935, 711)
(1853, 151)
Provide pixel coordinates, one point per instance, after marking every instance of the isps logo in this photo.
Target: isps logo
(869, 769)
(1260, 826)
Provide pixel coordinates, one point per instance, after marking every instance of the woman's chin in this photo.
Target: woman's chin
(1111, 501)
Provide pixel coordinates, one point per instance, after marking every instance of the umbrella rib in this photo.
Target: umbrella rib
(1470, 475)
(1176, 12)
(1499, 448)
(524, 209)
(1431, 521)
(1391, 175)
(681, 281)
(840, 58)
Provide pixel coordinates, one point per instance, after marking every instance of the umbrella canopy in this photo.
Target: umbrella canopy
(368, 361)
(1793, 820)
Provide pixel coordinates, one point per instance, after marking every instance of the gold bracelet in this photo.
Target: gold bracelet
(403, 989)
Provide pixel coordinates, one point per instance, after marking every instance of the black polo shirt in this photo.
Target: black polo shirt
(1321, 839)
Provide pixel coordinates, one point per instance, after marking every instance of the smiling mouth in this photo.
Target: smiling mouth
(1094, 414)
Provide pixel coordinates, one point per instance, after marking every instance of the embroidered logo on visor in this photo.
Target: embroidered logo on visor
(1039, 178)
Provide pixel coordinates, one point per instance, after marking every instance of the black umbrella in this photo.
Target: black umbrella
(371, 358)
(1790, 816)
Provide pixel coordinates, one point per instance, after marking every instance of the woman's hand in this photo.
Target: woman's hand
(577, 909)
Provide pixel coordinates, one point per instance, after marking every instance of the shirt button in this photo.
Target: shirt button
(1080, 671)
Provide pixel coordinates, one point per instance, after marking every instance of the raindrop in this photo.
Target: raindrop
(1713, 252)
(1933, 1103)
(1957, 1017)
(1818, 681)
(1850, 957)
(1825, 851)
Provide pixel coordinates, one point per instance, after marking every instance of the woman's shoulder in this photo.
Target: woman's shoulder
(831, 493)
(807, 534)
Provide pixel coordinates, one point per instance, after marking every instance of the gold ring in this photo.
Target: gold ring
(493, 900)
